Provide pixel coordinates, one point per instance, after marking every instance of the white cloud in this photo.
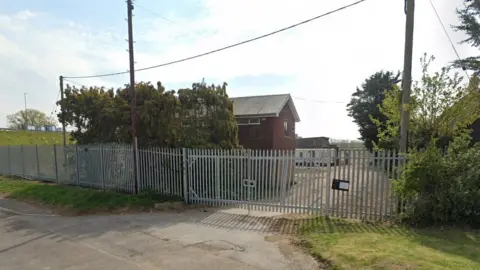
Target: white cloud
(33, 56)
(25, 15)
(323, 60)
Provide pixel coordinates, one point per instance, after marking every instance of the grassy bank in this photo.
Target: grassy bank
(343, 244)
(75, 199)
(23, 137)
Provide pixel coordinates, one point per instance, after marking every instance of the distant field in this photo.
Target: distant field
(24, 137)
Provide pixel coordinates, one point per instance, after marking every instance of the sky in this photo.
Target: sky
(320, 63)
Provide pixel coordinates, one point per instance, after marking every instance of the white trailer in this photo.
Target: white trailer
(316, 157)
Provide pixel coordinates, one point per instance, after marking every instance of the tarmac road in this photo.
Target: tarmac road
(195, 239)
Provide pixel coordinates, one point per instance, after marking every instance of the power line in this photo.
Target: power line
(320, 101)
(299, 98)
(226, 47)
(79, 84)
(446, 33)
(54, 109)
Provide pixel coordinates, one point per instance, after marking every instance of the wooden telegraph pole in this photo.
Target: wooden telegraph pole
(407, 75)
(133, 93)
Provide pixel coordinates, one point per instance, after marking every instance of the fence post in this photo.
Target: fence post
(9, 161)
(102, 174)
(329, 168)
(38, 160)
(249, 177)
(137, 167)
(284, 177)
(77, 170)
(185, 176)
(217, 176)
(23, 160)
(55, 164)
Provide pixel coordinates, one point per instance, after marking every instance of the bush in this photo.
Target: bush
(197, 117)
(442, 189)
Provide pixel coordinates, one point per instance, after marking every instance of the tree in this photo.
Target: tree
(201, 116)
(434, 111)
(389, 130)
(29, 117)
(469, 17)
(364, 104)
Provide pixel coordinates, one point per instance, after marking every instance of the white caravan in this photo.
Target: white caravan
(316, 157)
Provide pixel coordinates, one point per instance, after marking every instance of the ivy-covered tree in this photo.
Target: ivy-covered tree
(199, 117)
(364, 104)
(208, 118)
(158, 116)
(432, 113)
(91, 112)
(469, 16)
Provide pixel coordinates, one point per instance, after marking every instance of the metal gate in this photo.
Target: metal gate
(237, 177)
(275, 180)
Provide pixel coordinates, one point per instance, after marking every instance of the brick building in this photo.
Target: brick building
(266, 122)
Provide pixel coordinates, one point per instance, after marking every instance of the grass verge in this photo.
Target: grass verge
(346, 244)
(24, 137)
(77, 200)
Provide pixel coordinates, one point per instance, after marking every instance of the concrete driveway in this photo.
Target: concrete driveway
(195, 239)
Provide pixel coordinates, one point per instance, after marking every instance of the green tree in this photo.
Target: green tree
(469, 16)
(467, 110)
(364, 104)
(92, 112)
(431, 113)
(29, 117)
(201, 116)
(389, 130)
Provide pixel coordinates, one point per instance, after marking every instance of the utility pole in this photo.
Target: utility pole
(26, 113)
(63, 115)
(25, 100)
(133, 93)
(407, 75)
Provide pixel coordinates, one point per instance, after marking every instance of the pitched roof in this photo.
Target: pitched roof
(268, 106)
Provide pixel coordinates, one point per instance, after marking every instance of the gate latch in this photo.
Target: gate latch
(249, 183)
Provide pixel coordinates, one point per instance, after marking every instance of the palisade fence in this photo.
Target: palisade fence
(266, 180)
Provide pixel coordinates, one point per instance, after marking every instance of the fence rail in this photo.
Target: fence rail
(267, 180)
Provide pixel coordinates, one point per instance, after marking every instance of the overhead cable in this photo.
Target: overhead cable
(223, 48)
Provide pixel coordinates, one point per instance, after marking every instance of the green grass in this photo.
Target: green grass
(345, 244)
(23, 137)
(75, 199)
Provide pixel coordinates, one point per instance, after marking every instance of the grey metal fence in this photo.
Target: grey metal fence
(267, 180)
(107, 167)
(161, 170)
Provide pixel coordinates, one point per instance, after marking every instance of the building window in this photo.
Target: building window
(254, 132)
(242, 121)
(254, 121)
(285, 128)
(248, 121)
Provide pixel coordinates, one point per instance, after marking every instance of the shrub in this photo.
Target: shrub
(442, 189)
